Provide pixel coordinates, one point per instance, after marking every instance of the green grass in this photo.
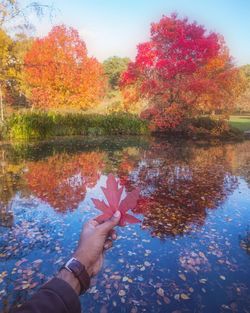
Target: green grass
(240, 122)
(40, 125)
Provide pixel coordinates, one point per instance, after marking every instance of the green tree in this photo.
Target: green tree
(113, 68)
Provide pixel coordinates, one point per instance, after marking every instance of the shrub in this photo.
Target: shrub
(124, 124)
(211, 128)
(43, 125)
(29, 126)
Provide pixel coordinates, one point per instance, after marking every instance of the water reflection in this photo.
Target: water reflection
(9, 185)
(245, 240)
(195, 196)
(178, 182)
(62, 180)
(241, 160)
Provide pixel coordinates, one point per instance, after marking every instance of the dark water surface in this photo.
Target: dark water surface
(191, 253)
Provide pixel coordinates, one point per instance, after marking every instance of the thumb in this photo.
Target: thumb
(111, 223)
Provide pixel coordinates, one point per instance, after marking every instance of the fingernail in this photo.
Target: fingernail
(117, 214)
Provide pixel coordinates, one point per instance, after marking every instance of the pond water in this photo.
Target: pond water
(190, 253)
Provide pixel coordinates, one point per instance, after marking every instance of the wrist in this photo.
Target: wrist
(69, 278)
(84, 261)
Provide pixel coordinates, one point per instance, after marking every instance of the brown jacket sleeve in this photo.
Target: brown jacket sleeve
(56, 296)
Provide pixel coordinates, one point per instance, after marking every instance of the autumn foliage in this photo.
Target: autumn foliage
(113, 193)
(182, 71)
(60, 73)
(180, 184)
(62, 180)
(181, 74)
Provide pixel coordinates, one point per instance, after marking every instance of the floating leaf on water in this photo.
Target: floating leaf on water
(25, 286)
(160, 292)
(115, 277)
(122, 293)
(166, 300)
(201, 254)
(184, 296)
(183, 277)
(38, 261)
(125, 278)
(177, 297)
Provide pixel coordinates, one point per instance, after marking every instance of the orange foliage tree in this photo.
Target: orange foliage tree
(62, 180)
(182, 71)
(60, 74)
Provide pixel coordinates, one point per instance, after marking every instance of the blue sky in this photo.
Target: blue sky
(115, 27)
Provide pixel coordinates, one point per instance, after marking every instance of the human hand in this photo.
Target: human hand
(95, 239)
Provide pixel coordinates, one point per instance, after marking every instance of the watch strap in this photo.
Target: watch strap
(79, 271)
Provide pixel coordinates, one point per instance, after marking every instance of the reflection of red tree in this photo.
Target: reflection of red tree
(178, 184)
(126, 166)
(62, 180)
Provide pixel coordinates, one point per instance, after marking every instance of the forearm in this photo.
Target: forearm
(61, 294)
(70, 279)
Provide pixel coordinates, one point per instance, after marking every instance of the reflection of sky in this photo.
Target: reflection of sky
(41, 233)
(218, 239)
(76, 180)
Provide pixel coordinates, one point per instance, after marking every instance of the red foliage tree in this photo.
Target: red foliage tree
(182, 70)
(61, 74)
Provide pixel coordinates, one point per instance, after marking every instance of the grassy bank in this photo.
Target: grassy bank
(240, 122)
(205, 128)
(30, 126)
(38, 126)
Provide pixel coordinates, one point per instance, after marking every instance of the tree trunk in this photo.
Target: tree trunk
(1, 104)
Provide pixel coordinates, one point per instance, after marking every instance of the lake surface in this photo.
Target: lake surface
(190, 253)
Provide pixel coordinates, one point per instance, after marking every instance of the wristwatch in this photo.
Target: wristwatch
(79, 271)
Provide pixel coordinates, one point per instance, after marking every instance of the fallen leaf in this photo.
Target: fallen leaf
(183, 277)
(160, 292)
(184, 296)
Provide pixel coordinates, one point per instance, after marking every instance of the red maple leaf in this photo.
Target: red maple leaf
(113, 194)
